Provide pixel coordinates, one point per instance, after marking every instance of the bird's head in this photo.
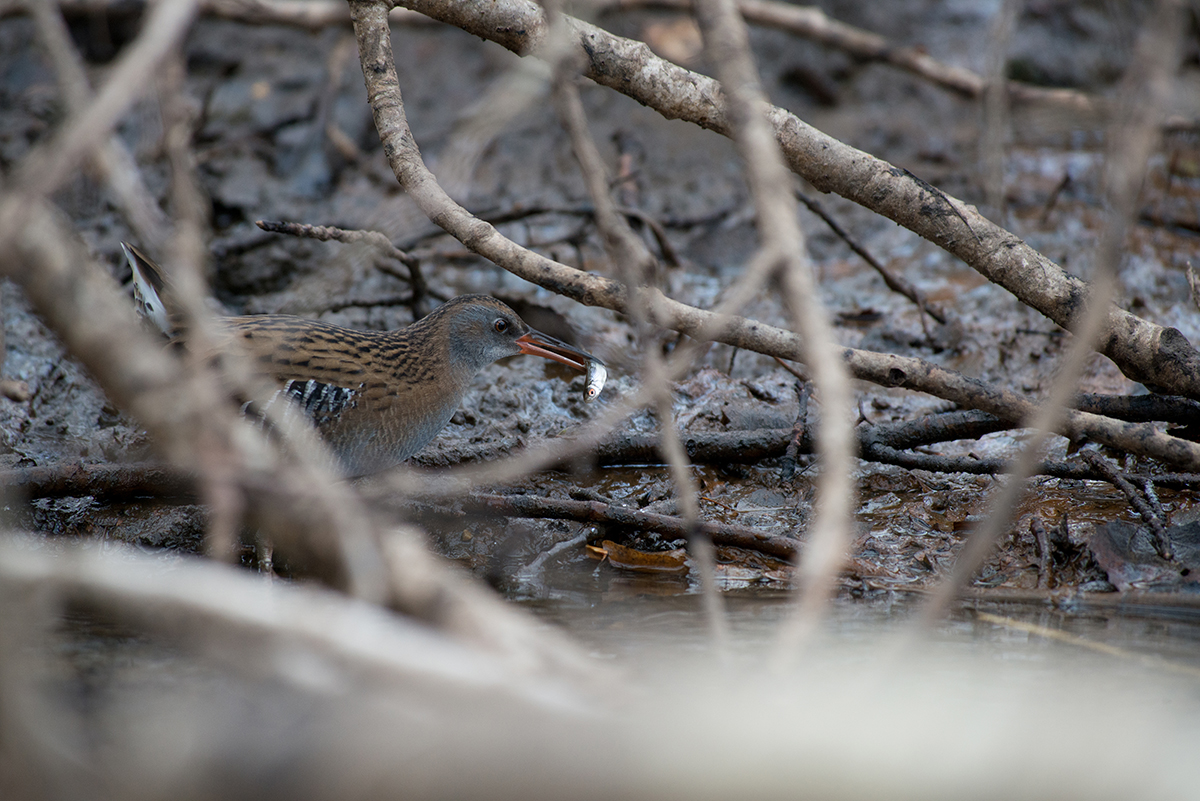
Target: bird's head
(481, 330)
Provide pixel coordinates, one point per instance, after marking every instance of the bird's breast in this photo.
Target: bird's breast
(387, 427)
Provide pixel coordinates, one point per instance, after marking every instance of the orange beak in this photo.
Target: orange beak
(535, 343)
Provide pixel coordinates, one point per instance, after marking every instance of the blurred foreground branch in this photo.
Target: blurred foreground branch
(257, 626)
(187, 405)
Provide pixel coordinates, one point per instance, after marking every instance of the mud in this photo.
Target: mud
(265, 96)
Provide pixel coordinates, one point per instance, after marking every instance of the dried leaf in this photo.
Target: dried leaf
(677, 41)
(643, 561)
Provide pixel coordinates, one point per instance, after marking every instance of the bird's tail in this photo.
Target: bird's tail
(148, 289)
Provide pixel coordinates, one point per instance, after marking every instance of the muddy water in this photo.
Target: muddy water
(628, 616)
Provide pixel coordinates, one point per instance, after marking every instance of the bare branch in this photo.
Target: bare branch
(326, 233)
(1144, 351)
(813, 23)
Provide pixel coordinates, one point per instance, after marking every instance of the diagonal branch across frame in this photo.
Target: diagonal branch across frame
(383, 92)
(1142, 350)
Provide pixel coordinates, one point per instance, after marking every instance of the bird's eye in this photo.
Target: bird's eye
(501, 325)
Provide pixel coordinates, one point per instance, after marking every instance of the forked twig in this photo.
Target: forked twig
(376, 240)
(1141, 504)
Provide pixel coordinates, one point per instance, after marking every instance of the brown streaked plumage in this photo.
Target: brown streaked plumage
(377, 397)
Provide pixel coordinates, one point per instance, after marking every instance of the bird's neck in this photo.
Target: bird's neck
(426, 354)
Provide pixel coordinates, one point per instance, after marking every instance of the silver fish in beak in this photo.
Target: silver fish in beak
(597, 374)
(535, 343)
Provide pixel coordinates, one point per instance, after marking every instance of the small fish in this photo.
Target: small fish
(597, 374)
(148, 288)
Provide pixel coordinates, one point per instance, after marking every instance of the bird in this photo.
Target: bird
(376, 397)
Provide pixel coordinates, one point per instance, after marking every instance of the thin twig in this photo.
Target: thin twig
(1052, 199)
(327, 233)
(1045, 554)
(1151, 495)
(892, 281)
(1162, 542)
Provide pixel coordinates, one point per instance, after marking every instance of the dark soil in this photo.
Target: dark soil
(265, 97)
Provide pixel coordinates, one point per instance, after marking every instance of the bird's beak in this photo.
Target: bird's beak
(535, 343)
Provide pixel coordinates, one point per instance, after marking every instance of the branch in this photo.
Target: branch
(1144, 351)
(383, 93)
(613, 514)
(813, 23)
(309, 14)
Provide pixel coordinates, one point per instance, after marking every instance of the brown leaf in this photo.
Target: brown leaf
(643, 561)
(677, 41)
